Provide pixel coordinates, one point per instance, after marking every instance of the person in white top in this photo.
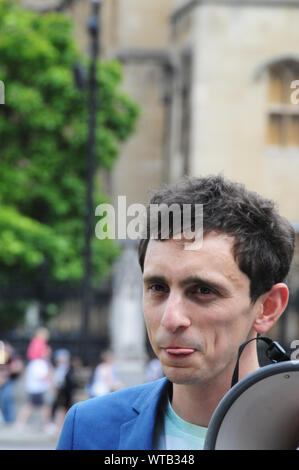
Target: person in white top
(38, 384)
(105, 377)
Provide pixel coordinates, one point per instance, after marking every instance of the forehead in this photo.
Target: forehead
(214, 260)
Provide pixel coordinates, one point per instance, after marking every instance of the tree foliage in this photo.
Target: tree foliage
(43, 138)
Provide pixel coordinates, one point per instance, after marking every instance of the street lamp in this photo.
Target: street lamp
(87, 300)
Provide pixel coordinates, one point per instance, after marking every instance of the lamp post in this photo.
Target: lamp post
(87, 300)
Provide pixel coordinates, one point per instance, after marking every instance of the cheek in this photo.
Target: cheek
(225, 329)
(152, 326)
(151, 317)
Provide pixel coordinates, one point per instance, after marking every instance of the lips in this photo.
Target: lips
(179, 351)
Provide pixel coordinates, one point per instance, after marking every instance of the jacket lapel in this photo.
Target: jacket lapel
(138, 433)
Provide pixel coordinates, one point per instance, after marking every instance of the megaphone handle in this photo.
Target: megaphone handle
(281, 354)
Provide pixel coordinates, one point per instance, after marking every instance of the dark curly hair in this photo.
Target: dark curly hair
(264, 240)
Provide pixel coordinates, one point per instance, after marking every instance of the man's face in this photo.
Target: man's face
(197, 307)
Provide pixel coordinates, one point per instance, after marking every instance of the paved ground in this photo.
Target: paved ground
(29, 438)
(32, 437)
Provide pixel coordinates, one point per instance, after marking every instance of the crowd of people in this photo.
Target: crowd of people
(49, 384)
(49, 381)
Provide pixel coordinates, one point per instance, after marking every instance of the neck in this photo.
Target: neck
(196, 403)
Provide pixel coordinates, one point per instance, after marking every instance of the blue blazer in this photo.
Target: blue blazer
(123, 420)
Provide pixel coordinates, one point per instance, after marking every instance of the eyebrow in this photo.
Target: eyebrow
(189, 281)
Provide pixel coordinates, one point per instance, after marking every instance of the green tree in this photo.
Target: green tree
(43, 135)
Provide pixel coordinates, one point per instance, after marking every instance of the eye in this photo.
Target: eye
(157, 288)
(202, 291)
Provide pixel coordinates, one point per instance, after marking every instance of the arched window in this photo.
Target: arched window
(283, 115)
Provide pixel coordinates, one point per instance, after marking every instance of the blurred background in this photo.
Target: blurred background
(108, 98)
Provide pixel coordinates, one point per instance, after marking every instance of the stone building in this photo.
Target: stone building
(213, 78)
(236, 63)
(216, 91)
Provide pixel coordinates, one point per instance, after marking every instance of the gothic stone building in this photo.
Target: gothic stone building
(213, 78)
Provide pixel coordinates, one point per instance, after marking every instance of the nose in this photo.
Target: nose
(175, 315)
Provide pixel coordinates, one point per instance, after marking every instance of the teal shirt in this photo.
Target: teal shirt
(173, 433)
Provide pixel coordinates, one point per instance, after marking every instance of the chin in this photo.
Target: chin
(182, 377)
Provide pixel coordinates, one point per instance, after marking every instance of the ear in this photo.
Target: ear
(273, 304)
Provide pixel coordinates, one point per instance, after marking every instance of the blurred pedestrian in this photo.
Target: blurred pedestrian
(10, 371)
(105, 377)
(39, 344)
(38, 385)
(64, 386)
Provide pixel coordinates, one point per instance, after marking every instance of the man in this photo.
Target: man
(199, 306)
